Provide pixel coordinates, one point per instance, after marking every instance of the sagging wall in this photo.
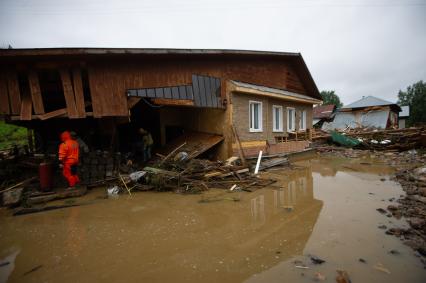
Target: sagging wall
(266, 139)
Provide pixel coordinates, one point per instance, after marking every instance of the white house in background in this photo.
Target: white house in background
(403, 116)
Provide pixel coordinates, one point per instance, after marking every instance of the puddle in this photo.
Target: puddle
(326, 207)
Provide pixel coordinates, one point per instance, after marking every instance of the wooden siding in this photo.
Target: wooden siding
(35, 92)
(110, 79)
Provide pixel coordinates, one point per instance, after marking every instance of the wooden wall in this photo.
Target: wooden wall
(109, 79)
(110, 76)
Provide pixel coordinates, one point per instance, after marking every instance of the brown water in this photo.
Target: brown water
(325, 207)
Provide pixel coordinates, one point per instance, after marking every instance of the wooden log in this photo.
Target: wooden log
(35, 92)
(26, 107)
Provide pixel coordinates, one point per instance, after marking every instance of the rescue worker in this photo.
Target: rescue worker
(147, 144)
(68, 158)
(83, 146)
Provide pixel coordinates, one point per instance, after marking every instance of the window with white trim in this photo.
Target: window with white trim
(291, 119)
(277, 118)
(255, 116)
(302, 121)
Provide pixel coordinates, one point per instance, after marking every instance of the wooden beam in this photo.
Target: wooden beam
(26, 107)
(35, 92)
(53, 114)
(14, 92)
(173, 102)
(4, 95)
(68, 93)
(78, 92)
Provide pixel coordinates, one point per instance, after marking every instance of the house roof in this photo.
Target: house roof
(405, 111)
(323, 111)
(295, 58)
(272, 92)
(368, 101)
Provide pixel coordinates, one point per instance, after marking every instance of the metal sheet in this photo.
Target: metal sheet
(356, 119)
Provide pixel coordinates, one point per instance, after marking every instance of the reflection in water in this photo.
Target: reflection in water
(174, 238)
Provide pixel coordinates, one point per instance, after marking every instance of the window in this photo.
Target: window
(277, 118)
(255, 113)
(302, 121)
(291, 118)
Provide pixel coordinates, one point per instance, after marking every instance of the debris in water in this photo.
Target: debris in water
(382, 226)
(319, 276)
(33, 269)
(342, 277)
(394, 252)
(317, 260)
(381, 210)
(362, 260)
(301, 266)
(381, 268)
(4, 263)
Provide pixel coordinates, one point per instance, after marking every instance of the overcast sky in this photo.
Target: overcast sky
(356, 47)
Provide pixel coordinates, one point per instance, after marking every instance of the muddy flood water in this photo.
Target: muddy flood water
(324, 207)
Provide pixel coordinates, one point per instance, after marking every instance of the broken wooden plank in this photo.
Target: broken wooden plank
(240, 149)
(160, 171)
(35, 91)
(172, 152)
(68, 93)
(26, 107)
(14, 92)
(78, 93)
(173, 102)
(273, 162)
(53, 114)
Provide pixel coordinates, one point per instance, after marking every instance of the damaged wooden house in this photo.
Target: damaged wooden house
(368, 112)
(216, 101)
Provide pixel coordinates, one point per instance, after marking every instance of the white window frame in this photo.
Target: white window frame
(251, 116)
(274, 118)
(291, 129)
(302, 120)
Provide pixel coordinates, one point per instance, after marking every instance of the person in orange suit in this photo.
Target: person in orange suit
(68, 158)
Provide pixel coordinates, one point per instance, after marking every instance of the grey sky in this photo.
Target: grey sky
(356, 47)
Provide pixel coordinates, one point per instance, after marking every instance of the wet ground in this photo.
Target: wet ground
(324, 207)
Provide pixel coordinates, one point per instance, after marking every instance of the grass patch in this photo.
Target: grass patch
(11, 135)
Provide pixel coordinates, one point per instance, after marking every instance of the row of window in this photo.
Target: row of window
(255, 117)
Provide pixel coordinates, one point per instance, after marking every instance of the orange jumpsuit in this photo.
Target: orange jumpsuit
(68, 156)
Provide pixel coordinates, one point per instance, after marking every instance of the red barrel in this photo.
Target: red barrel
(45, 175)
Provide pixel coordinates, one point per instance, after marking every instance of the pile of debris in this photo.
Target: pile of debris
(362, 138)
(196, 175)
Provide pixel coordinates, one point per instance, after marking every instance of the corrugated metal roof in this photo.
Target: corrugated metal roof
(272, 90)
(367, 102)
(323, 111)
(405, 111)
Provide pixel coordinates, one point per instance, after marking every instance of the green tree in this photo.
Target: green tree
(415, 97)
(330, 97)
